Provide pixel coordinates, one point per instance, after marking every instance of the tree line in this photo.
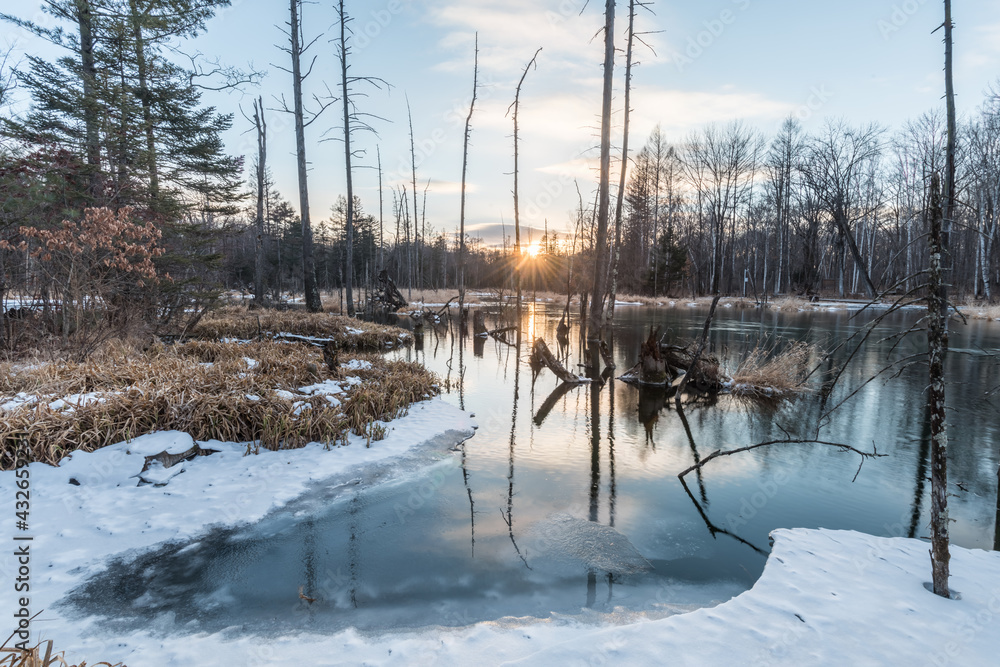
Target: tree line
(118, 121)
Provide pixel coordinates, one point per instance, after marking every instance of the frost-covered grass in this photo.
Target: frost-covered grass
(278, 395)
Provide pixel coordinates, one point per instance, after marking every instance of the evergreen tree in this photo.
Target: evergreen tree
(135, 116)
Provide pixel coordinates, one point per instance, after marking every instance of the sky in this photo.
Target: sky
(702, 62)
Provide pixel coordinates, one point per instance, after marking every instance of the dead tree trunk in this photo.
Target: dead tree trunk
(653, 367)
(621, 181)
(381, 242)
(542, 355)
(258, 267)
(413, 165)
(349, 215)
(517, 211)
(940, 556)
(313, 303)
(949, 168)
(600, 249)
(465, 162)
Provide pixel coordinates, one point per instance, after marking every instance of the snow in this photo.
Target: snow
(92, 507)
(67, 403)
(357, 365)
(326, 387)
(825, 597)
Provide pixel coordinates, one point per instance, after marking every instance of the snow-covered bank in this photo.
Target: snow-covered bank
(825, 597)
(91, 507)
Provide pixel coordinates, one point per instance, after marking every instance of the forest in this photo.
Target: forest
(118, 122)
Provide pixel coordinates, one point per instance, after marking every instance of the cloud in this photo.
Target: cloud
(510, 32)
(680, 111)
(573, 116)
(983, 49)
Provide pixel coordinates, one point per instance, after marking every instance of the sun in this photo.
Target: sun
(533, 250)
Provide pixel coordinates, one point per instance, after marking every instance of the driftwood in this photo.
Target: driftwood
(501, 334)
(542, 356)
(387, 295)
(660, 363)
(168, 460)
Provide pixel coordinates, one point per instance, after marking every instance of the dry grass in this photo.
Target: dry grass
(768, 372)
(981, 310)
(206, 389)
(242, 323)
(42, 656)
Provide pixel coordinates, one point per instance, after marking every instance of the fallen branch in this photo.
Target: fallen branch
(444, 308)
(542, 355)
(500, 332)
(719, 453)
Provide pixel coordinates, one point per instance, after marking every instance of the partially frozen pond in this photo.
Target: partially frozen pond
(568, 503)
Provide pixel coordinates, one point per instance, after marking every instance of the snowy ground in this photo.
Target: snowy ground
(825, 598)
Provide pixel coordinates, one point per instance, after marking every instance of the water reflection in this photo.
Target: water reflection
(407, 546)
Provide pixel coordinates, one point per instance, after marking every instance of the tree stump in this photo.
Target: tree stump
(479, 323)
(652, 366)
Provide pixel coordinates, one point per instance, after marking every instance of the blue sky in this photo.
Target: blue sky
(712, 61)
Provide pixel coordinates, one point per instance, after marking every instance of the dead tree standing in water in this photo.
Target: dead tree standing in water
(465, 162)
(601, 241)
(517, 213)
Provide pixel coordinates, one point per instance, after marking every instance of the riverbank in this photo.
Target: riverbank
(94, 505)
(437, 298)
(825, 597)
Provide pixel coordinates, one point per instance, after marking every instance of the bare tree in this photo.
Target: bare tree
(720, 163)
(833, 170)
(416, 211)
(465, 162)
(261, 170)
(782, 165)
(296, 49)
(604, 199)
(515, 106)
(353, 120)
(624, 164)
(937, 347)
(984, 177)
